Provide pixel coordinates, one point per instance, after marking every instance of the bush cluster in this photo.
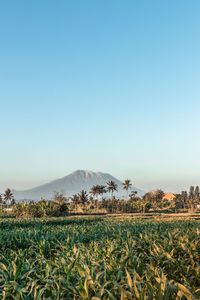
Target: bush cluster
(41, 209)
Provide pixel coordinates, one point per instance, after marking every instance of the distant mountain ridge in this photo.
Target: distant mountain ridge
(70, 185)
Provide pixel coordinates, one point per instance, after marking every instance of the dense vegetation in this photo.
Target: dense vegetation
(99, 258)
(95, 202)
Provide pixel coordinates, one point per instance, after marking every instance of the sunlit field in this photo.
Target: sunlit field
(99, 258)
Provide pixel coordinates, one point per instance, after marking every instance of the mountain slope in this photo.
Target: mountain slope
(69, 185)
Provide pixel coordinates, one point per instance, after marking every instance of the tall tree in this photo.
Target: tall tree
(102, 190)
(154, 197)
(8, 196)
(83, 197)
(95, 191)
(191, 192)
(111, 187)
(126, 186)
(1, 201)
(184, 198)
(196, 199)
(192, 197)
(197, 193)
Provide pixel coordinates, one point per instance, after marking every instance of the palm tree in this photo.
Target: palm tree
(94, 190)
(1, 201)
(102, 190)
(8, 196)
(111, 187)
(83, 197)
(126, 186)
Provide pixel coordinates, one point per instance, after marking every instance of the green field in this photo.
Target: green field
(99, 258)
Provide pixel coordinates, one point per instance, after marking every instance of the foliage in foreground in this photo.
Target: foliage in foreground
(96, 258)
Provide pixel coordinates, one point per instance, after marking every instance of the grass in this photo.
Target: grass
(99, 258)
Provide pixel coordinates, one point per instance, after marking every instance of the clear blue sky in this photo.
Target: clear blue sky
(109, 86)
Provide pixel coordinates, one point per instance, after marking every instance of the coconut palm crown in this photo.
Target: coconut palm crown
(111, 187)
(83, 197)
(8, 196)
(127, 185)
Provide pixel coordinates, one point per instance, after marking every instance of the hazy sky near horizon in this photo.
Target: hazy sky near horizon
(111, 86)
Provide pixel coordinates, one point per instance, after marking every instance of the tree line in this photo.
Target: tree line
(96, 201)
(188, 200)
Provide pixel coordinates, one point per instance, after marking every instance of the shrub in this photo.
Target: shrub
(41, 209)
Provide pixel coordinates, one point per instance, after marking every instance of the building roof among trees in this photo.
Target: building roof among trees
(169, 196)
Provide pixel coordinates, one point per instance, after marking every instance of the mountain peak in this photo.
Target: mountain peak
(70, 185)
(86, 173)
(83, 172)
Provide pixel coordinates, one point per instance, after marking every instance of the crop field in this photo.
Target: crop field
(99, 258)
